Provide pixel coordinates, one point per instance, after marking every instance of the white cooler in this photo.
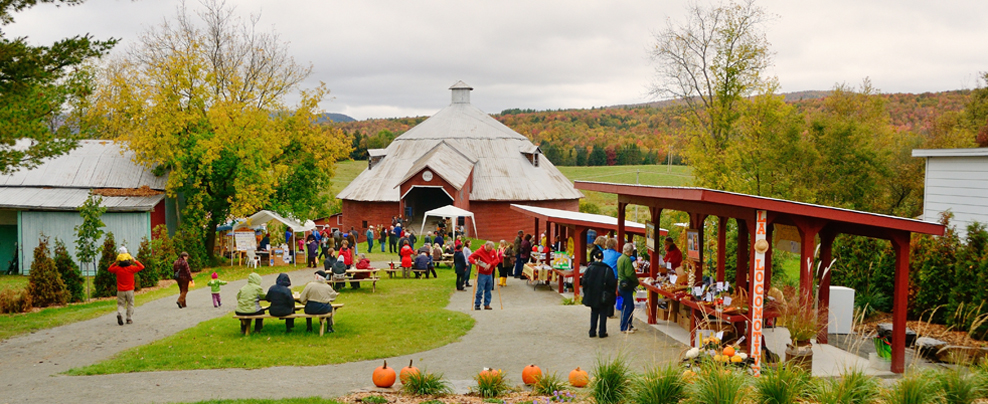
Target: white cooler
(841, 319)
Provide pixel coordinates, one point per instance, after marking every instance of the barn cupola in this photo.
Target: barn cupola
(461, 92)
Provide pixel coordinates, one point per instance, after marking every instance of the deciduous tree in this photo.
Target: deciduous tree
(36, 84)
(204, 100)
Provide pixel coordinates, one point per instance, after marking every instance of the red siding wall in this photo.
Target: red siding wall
(496, 221)
(375, 213)
(157, 215)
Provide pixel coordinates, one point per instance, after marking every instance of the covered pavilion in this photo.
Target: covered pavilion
(756, 216)
(567, 223)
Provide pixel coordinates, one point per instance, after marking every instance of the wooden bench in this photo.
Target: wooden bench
(425, 271)
(324, 319)
(373, 280)
(448, 263)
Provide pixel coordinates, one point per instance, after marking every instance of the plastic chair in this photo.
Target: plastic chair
(252, 259)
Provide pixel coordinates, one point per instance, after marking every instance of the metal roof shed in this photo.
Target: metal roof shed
(755, 215)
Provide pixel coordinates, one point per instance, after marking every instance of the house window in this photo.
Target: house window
(365, 224)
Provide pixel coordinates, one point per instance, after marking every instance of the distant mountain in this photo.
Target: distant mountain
(649, 130)
(334, 117)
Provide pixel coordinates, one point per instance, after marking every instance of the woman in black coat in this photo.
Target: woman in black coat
(282, 301)
(599, 284)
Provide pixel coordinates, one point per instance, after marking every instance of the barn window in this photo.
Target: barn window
(533, 158)
(365, 224)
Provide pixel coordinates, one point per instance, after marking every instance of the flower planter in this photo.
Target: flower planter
(801, 355)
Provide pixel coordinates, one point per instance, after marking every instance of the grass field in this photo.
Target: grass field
(404, 316)
(645, 174)
(15, 324)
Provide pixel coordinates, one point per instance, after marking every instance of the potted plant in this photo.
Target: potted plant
(803, 325)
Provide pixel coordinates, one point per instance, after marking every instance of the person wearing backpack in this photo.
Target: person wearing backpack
(599, 284)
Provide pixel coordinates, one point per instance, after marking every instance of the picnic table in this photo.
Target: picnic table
(371, 277)
(325, 319)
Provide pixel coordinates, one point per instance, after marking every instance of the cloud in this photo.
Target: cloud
(387, 58)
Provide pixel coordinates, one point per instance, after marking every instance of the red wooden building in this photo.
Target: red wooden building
(461, 157)
(756, 217)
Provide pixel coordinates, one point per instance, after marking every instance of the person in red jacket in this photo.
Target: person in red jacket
(485, 258)
(673, 255)
(124, 268)
(406, 253)
(346, 254)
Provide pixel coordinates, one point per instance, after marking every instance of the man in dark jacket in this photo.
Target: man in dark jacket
(599, 284)
(282, 301)
(393, 240)
(460, 266)
(424, 262)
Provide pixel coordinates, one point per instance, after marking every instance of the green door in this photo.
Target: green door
(8, 238)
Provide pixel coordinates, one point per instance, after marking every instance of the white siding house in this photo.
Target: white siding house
(956, 180)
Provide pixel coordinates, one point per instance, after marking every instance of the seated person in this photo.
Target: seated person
(424, 262)
(426, 248)
(364, 263)
(265, 242)
(249, 301)
(437, 252)
(317, 298)
(282, 301)
(448, 249)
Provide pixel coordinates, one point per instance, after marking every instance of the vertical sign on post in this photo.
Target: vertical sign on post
(758, 290)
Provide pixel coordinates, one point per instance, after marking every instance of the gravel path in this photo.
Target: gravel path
(533, 327)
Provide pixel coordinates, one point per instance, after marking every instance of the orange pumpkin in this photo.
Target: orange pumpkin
(384, 376)
(488, 374)
(531, 374)
(578, 377)
(729, 351)
(407, 371)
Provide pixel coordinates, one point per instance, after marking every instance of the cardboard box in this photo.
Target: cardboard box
(685, 317)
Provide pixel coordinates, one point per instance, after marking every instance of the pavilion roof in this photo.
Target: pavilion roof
(736, 205)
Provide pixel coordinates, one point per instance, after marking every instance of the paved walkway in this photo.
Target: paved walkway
(533, 327)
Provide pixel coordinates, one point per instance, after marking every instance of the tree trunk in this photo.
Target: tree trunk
(211, 241)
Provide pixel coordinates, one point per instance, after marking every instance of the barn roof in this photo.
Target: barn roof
(70, 199)
(64, 182)
(94, 164)
(501, 172)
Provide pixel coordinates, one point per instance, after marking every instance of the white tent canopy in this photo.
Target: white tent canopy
(449, 211)
(265, 216)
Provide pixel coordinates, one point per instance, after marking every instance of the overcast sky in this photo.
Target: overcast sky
(398, 58)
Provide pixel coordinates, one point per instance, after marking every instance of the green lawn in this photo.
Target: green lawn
(404, 316)
(346, 171)
(646, 175)
(13, 282)
(15, 324)
(300, 400)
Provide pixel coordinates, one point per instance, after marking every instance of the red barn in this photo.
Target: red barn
(459, 156)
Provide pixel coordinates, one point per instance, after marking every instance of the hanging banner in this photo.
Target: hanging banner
(761, 245)
(693, 244)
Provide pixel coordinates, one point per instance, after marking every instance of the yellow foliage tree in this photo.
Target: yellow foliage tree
(205, 103)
